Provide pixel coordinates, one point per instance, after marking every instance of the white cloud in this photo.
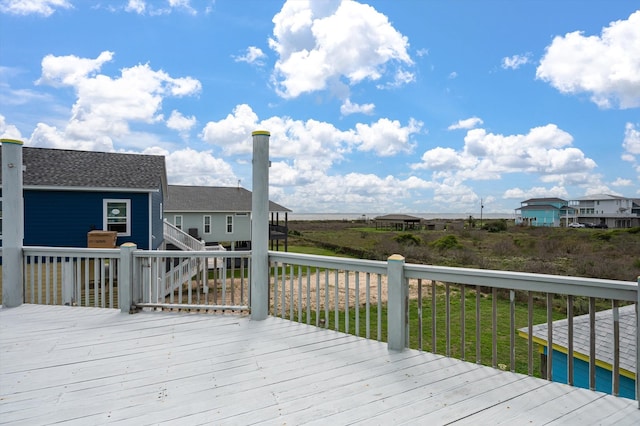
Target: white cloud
(33, 7)
(544, 151)
(180, 123)
(536, 192)
(468, 123)
(631, 143)
(348, 108)
(387, 137)
(142, 7)
(9, 131)
(136, 6)
(516, 61)
(321, 43)
(204, 168)
(453, 75)
(320, 142)
(105, 106)
(70, 70)
(253, 55)
(607, 67)
(622, 182)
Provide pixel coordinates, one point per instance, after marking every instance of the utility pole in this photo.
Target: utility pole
(481, 207)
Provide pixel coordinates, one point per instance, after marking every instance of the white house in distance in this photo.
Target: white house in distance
(220, 215)
(605, 209)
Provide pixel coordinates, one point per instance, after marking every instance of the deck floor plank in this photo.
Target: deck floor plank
(95, 366)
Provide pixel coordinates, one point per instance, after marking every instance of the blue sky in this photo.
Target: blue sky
(380, 106)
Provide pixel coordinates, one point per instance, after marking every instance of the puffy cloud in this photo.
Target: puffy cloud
(180, 123)
(607, 66)
(33, 7)
(142, 7)
(631, 143)
(622, 182)
(536, 192)
(321, 42)
(386, 137)
(468, 123)
(320, 141)
(204, 168)
(516, 61)
(348, 108)
(70, 70)
(9, 131)
(542, 151)
(106, 106)
(253, 55)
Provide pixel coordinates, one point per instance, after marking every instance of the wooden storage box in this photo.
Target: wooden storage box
(102, 239)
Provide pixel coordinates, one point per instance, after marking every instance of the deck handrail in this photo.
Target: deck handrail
(299, 276)
(304, 286)
(181, 239)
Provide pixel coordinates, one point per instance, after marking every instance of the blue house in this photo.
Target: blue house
(543, 212)
(581, 344)
(69, 193)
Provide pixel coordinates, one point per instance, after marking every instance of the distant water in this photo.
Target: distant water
(360, 216)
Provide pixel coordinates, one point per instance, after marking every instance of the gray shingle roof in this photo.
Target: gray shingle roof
(604, 335)
(182, 198)
(62, 168)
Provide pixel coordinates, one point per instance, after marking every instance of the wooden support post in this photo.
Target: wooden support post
(260, 227)
(13, 223)
(397, 320)
(125, 277)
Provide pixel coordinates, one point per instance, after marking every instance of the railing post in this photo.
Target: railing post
(125, 277)
(260, 227)
(13, 218)
(397, 321)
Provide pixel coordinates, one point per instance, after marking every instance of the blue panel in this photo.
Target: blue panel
(63, 218)
(581, 376)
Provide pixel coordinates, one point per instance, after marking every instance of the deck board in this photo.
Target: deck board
(95, 366)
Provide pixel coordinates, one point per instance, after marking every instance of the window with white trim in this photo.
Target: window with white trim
(117, 216)
(229, 224)
(177, 221)
(206, 224)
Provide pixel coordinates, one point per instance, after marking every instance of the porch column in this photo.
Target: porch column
(13, 226)
(397, 320)
(260, 226)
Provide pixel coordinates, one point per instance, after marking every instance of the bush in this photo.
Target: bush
(495, 225)
(407, 239)
(446, 243)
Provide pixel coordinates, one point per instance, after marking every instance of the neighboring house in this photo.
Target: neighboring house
(219, 215)
(543, 212)
(604, 350)
(68, 193)
(399, 222)
(610, 210)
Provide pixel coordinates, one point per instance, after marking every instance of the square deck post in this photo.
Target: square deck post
(13, 218)
(125, 277)
(397, 319)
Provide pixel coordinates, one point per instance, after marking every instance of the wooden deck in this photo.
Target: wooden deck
(96, 366)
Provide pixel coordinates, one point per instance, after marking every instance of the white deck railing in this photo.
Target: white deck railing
(443, 306)
(71, 276)
(181, 239)
(425, 307)
(194, 280)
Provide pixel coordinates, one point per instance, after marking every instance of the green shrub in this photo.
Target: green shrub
(446, 243)
(407, 239)
(495, 225)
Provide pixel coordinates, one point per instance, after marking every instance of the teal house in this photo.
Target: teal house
(549, 212)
